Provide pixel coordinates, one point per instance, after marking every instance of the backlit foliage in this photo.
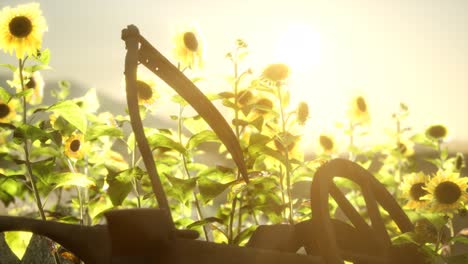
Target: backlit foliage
(77, 148)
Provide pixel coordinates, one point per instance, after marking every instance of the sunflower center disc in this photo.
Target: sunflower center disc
(144, 90)
(4, 110)
(31, 83)
(361, 104)
(20, 26)
(190, 41)
(417, 191)
(437, 131)
(447, 192)
(75, 145)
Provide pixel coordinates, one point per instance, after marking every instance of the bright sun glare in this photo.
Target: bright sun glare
(299, 47)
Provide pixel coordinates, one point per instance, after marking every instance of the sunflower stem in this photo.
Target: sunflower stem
(29, 174)
(26, 149)
(231, 221)
(398, 142)
(71, 167)
(237, 132)
(135, 181)
(187, 173)
(439, 151)
(286, 153)
(450, 226)
(351, 141)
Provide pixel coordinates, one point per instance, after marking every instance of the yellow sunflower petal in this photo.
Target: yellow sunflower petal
(188, 48)
(447, 192)
(21, 29)
(74, 146)
(413, 189)
(7, 111)
(358, 111)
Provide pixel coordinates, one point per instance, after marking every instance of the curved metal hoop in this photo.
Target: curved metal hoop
(374, 193)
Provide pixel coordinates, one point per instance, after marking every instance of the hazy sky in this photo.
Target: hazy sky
(415, 51)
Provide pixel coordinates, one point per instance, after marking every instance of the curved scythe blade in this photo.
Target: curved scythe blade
(159, 65)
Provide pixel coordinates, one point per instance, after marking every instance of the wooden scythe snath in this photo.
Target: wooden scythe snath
(139, 50)
(148, 236)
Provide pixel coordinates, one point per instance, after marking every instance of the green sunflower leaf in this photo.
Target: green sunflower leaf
(182, 188)
(64, 90)
(9, 66)
(90, 101)
(460, 239)
(210, 189)
(29, 132)
(160, 140)
(44, 57)
(458, 259)
(35, 68)
(202, 137)
(71, 112)
(18, 242)
(210, 183)
(120, 185)
(404, 238)
(24, 93)
(179, 100)
(4, 95)
(73, 179)
(95, 132)
(244, 235)
(205, 221)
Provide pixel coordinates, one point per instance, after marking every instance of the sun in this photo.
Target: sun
(299, 46)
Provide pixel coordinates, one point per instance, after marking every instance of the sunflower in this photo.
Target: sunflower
(7, 111)
(21, 29)
(145, 89)
(276, 72)
(405, 148)
(74, 146)
(447, 192)
(436, 132)
(302, 113)
(188, 48)
(32, 81)
(288, 142)
(327, 144)
(459, 161)
(413, 188)
(358, 111)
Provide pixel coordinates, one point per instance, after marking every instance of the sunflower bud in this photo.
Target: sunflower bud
(459, 161)
(302, 113)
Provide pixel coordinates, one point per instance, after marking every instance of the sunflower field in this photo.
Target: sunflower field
(70, 162)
